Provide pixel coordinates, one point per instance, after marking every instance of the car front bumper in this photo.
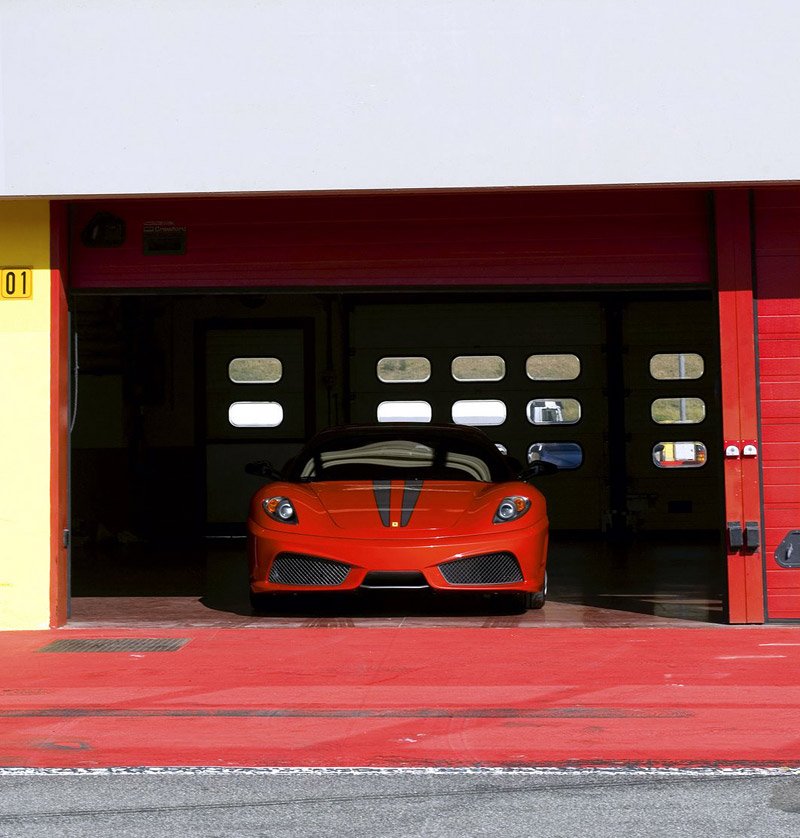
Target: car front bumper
(424, 555)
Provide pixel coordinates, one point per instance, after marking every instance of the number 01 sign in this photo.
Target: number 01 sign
(16, 283)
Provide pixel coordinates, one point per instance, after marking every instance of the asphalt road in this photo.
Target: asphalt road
(554, 805)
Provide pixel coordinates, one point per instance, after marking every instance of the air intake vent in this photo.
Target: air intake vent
(300, 569)
(485, 569)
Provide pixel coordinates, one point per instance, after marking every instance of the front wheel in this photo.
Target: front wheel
(264, 603)
(535, 600)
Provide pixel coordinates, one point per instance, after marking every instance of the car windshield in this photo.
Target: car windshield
(399, 458)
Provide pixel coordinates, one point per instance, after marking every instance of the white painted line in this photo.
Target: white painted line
(749, 657)
(539, 771)
(779, 644)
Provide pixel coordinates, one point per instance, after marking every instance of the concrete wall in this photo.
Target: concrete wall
(146, 96)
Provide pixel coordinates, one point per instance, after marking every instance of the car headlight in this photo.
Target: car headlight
(511, 508)
(280, 509)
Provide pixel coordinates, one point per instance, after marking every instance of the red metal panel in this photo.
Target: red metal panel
(647, 237)
(59, 410)
(782, 493)
(781, 353)
(783, 580)
(778, 294)
(739, 413)
(779, 348)
(779, 483)
(775, 328)
(778, 478)
(769, 391)
(782, 518)
(784, 607)
(780, 411)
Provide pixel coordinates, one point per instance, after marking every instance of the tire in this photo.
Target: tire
(536, 599)
(263, 603)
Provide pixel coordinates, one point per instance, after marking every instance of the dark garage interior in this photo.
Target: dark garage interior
(604, 380)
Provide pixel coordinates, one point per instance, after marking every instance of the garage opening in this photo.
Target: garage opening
(175, 393)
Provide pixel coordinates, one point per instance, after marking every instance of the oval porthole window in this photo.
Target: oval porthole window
(564, 367)
(565, 455)
(553, 411)
(255, 370)
(684, 454)
(478, 368)
(678, 411)
(677, 366)
(255, 414)
(405, 411)
(479, 412)
(400, 370)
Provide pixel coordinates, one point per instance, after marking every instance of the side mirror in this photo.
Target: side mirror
(537, 468)
(263, 468)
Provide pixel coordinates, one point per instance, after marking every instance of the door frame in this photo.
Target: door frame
(732, 259)
(740, 427)
(60, 416)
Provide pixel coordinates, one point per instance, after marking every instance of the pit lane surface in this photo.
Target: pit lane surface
(411, 697)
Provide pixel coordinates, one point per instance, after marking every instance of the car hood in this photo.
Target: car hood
(404, 506)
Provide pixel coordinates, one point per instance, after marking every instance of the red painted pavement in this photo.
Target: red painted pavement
(417, 697)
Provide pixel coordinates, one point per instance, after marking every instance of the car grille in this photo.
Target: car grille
(484, 569)
(300, 569)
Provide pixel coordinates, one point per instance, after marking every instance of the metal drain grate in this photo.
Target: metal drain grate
(117, 644)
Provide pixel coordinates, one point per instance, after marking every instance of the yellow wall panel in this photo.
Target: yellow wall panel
(25, 421)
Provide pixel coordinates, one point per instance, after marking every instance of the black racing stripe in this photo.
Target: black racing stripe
(383, 499)
(411, 491)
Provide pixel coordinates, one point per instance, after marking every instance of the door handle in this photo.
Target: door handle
(735, 535)
(748, 537)
(752, 535)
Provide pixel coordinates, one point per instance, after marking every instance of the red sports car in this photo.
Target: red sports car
(398, 506)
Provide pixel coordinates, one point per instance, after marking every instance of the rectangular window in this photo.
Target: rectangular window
(565, 455)
(404, 370)
(478, 368)
(554, 411)
(401, 411)
(553, 367)
(255, 370)
(479, 412)
(676, 366)
(255, 414)
(687, 454)
(678, 411)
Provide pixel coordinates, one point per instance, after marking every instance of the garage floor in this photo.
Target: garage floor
(592, 583)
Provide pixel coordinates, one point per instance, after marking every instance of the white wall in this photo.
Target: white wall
(170, 96)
